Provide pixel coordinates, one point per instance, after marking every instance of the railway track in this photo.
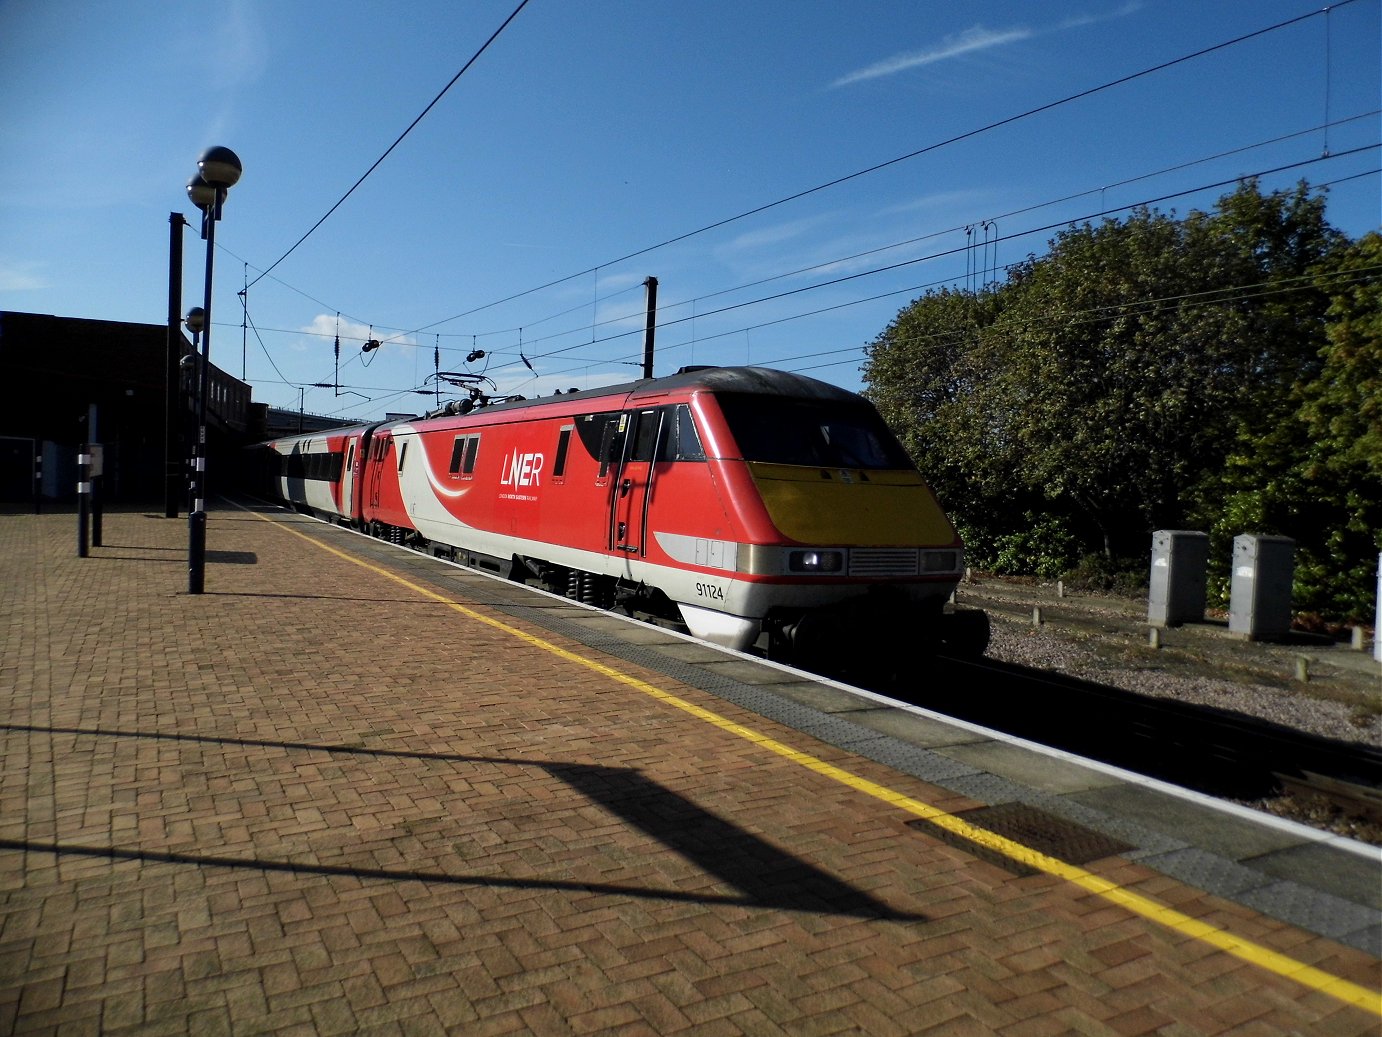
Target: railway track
(1214, 751)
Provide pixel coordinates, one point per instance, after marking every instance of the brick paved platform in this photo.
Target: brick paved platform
(334, 797)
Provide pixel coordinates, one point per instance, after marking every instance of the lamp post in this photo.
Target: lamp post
(194, 322)
(174, 460)
(218, 170)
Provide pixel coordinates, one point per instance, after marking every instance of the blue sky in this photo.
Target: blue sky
(593, 130)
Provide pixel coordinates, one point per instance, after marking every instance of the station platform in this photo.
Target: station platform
(352, 789)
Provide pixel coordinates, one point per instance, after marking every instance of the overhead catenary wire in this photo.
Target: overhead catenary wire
(960, 249)
(697, 314)
(402, 333)
(849, 177)
(398, 334)
(1222, 296)
(957, 138)
(585, 362)
(389, 150)
(989, 244)
(968, 229)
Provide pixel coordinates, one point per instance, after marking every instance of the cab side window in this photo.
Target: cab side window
(680, 441)
(463, 453)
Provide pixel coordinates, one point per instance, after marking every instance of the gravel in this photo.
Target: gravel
(1046, 650)
(1105, 639)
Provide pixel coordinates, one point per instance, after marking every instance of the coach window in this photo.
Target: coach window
(402, 453)
(563, 445)
(350, 456)
(457, 455)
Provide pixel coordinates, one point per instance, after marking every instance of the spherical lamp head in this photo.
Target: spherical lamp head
(220, 167)
(196, 319)
(203, 195)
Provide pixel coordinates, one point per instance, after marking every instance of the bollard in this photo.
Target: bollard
(1036, 617)
(1357, 638)
(83, 498)
(1060, 588)
(97, 469)
(1302, 668)
(1154, 637)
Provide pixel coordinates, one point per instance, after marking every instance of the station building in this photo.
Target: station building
(64, 376)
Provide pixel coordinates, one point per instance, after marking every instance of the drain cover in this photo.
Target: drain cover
(1036, 829)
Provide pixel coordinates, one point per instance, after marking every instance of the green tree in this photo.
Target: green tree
(1115, 389)
(926, 378)
(1316, 476)
(1342, 407)
(1107, 383)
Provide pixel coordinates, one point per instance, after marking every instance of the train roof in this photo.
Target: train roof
(755, 380)
(763, 381)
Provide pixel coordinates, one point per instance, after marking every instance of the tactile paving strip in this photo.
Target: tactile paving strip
(1047, 834)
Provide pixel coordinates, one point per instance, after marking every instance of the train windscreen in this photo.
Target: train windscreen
(811, 433)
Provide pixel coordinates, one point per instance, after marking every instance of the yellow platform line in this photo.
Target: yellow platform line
(1263, 957)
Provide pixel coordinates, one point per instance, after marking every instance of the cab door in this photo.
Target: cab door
(378, 450)
(632, 491)
(346, 505)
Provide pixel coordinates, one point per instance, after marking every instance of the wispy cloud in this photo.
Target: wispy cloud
(770, 236)
(20, 277)
(945, 202)
(1080, 21)
(977, 38)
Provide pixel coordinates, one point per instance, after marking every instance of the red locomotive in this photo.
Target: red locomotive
(754, 506)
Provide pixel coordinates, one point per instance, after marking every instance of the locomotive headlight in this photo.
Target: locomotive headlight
(815, 561)
(940, 561)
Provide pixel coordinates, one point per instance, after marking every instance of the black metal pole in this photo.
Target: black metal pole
(650, 327)
(172, 454)
(196, 521)
(190, 380)
(38, 476)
